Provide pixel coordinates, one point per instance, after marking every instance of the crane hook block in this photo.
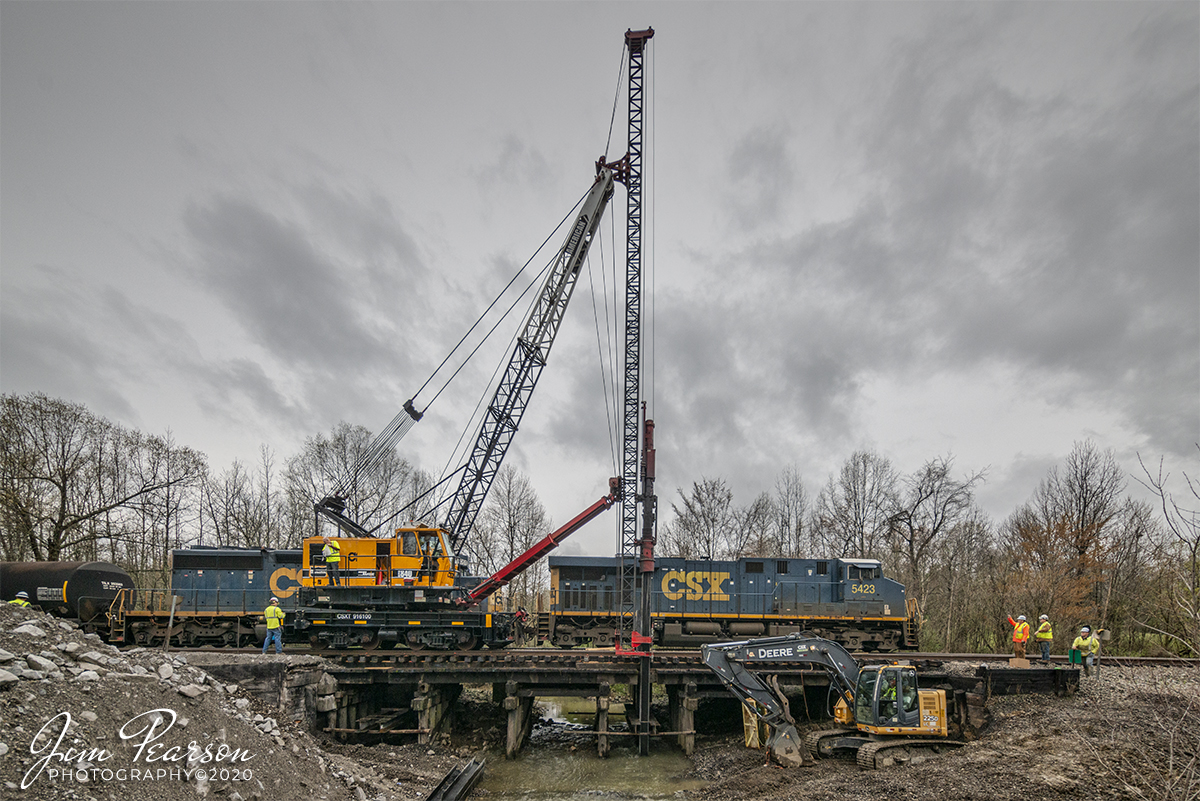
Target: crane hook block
(412, 411)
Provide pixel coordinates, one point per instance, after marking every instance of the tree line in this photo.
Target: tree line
(77, 487)
(74, 486)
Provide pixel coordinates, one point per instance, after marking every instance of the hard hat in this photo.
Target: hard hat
(1085, 628)
(1044, 617)
(22, 594)
(1020, 617)
(274, 600)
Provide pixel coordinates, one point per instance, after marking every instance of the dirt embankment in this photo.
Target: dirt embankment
(1128, 734)
(147, 725)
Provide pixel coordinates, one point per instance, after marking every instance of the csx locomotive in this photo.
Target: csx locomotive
(217, 596)
(700, 601)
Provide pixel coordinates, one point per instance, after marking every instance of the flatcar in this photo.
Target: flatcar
(699, 601)
(398, 591)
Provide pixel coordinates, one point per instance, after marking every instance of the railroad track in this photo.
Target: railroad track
(663, 656)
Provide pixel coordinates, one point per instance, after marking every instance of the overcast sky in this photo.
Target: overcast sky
(923, 229)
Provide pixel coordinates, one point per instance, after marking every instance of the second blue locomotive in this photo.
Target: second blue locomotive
(698, 601)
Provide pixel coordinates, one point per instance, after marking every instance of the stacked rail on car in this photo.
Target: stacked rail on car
(702, 601)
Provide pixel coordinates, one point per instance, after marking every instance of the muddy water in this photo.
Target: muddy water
(559, 763)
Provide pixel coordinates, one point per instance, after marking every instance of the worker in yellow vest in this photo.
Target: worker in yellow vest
(22, 599)
(1020, 635)
(332, 553)
(1044, 636)
(274, 616)
(1086, 646)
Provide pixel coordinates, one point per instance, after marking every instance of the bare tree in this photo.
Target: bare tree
(853, 511)
(1178, 620)
(932, 503)
(791, 507)
(956, 600)
(702, 526)
(68, 478)
(374, 500)
(753, 532)
(510, 522)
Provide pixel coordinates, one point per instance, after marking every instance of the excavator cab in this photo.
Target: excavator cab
(884, 716)
(887, 696)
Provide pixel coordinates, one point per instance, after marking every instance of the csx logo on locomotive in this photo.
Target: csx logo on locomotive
(695, 585)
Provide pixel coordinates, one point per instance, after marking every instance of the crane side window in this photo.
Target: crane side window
(431, 545)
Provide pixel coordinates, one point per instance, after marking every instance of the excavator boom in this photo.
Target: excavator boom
(735, 663)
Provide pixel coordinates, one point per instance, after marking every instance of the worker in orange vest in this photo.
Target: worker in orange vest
(1020, 635)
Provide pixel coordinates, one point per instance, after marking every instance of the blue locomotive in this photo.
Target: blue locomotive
(698, 601)
(217, 597)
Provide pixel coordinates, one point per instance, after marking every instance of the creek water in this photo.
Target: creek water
(559, 763)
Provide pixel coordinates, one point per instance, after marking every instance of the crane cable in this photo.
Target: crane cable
(408, 416)
(488, 389)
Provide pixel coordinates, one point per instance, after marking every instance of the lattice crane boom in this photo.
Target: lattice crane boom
(529, 356)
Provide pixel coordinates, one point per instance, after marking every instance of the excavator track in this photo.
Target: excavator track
(884, 753)
(812, 740)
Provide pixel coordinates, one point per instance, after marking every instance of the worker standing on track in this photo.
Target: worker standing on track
(1020, 635)
(332, 553)
(274, 616)
(1044, 636)
(1087, 647)
(22, 599)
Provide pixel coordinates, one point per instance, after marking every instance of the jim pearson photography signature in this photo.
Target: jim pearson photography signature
(152, 759)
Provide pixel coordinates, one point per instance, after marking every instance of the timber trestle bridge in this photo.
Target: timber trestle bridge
(380, 690)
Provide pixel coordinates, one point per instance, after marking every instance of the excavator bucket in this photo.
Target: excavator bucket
(786, 748)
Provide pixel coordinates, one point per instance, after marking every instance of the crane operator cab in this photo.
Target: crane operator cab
(888, 701)
(414, 557)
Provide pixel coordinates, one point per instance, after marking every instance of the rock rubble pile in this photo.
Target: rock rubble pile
(81, 720)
